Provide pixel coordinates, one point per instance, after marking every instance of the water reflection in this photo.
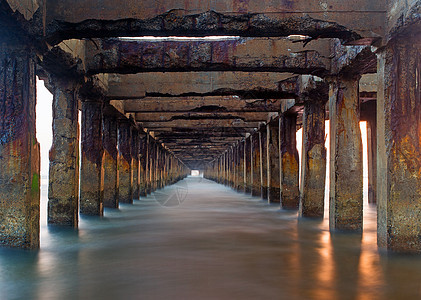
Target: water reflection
(217, 244)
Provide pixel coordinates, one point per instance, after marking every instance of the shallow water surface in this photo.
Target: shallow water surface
(201, 240)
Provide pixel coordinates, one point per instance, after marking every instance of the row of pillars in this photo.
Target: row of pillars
(119, 163)
(266, 163)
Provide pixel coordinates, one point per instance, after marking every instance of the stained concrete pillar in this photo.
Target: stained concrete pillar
(247, 166)
(135, 163)
(240, 167)
(111, 174)
(158, 168)
(233, 166)
(273, 164)
(289, 168)
(263, 162)
(148, 164)
(92, 160)
(256, 188)
(143, 156)
(346, 167)
(19, 149)
(125, 191)
(313, 165)
(399, 145)
(153, 165)
(63, 191)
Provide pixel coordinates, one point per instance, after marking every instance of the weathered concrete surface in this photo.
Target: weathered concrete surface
(26, 7)
(402, 15)
(346, 169)
(205, 123)
(256, 188)
(196, 18)
(152, 117)
(273, 163)
(135, 163)
(234, 166)
(246, 84)
(92, 160)
(289, 161)
(111, 174)
(63, 190)
(399, 145)
(143, 157)
(243, 54)
(263, 161)
(19, 150)
(201, 104)
(240, 167)
(148, 164)
(313, 164)
(248, 168)
(125, 162)
(153, 164)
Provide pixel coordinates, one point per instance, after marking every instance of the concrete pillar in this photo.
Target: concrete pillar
(158, 167)
(256, 189)
(148, 164)
(135, 163)
(240, 167)
(111, 174)
(143, 151)
(233, 166)
(247, 165)
(289, 169)
(63, 191)
(19, 149)
(273, 164)
(313, 165)
(346, 167)
(153, 165)
(263, 162)
(399, 145)
(125, 191)
(92, 160)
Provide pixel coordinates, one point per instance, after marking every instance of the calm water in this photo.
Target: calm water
(201, 240)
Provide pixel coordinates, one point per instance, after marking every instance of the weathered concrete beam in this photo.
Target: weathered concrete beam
(202, 139)
(19, 150)
(247, 85)
(402, 17)
(200, 132)
(189, 18)
(202, 104)
(233, 123)
(259, 54)
(171, 116)
(352, 60)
